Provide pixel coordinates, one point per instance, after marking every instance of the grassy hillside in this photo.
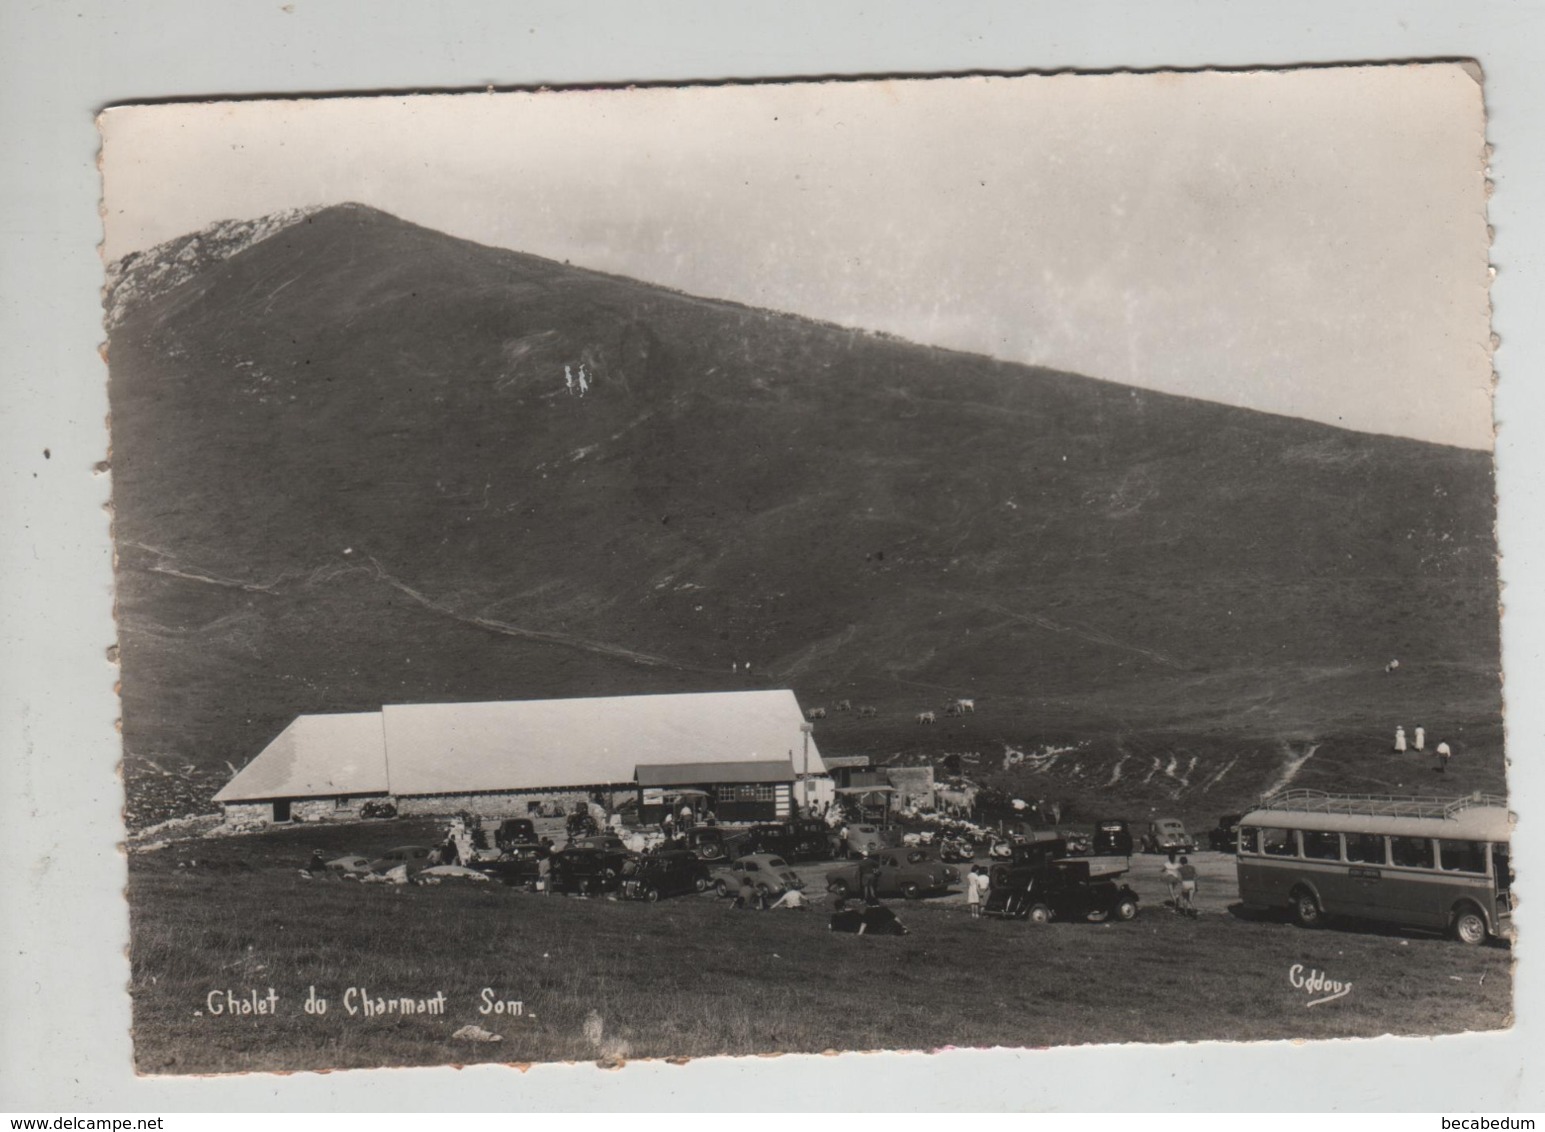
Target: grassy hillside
(347, 470)
(691, 977)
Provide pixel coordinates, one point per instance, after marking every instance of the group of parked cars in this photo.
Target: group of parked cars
(1051, 875)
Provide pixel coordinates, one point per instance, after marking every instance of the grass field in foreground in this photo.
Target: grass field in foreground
(690, 977)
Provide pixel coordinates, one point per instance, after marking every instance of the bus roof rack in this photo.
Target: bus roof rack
(1375, 805)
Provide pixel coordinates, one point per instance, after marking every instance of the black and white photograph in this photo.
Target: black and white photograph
(667, 572)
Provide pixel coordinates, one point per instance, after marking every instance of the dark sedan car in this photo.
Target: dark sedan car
(588, 871)
(715, 843)
(663, 874)
(1224, 837)
(911, 873)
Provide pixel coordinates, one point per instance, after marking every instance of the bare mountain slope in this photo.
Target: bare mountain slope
(348, 470)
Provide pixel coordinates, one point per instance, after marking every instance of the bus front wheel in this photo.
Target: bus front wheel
(1469, 926)
(1306, 909)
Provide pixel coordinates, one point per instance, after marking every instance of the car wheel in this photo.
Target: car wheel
(700, 884)
(1039, 914)
(1470, 926)
(652, 895)
(911, 891)
(1000, 876)
(838, 888)
(721, 888)
(1306, 909)
(710, 852)
(1098, 916)
(1126, 908)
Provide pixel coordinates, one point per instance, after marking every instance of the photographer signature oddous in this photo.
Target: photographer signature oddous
(1317, 983)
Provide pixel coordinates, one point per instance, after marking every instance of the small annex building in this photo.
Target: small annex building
(511, 758)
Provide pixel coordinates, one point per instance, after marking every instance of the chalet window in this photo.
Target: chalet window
(341, 802)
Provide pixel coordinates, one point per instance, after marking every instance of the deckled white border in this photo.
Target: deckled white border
(64, 1037)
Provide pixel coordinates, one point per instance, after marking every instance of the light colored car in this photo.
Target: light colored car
(769, 875)
(867, 840)
(1168, 835)
(414, 856)
(351, 864)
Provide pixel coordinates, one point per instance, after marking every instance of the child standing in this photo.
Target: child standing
(1187, 887)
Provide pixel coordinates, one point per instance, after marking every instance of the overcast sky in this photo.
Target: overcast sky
(1310, 243)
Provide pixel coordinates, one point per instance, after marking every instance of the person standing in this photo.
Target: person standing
(974, 893)
(1400, 740)
(1421, 738)
(1187, 887)
(686, 817)
(1170, 871)
(1444, 754)
(869, 878)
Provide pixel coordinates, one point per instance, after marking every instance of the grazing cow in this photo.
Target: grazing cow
(927, 717)
(952, 709)
(867, 713)
(816, 713)
(845, 705)
(967, 707)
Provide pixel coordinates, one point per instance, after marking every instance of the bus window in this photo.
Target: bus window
(1365, 848)
(1248, 841)
(1279, 842)
(1462, 856)
(1411, 852)
(1322, 846)
(1503, 866)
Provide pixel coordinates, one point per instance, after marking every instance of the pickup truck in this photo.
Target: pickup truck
(1041, 883)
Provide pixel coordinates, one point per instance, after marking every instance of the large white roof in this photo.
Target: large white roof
(407, 749)
(531, 744)
(316, 755)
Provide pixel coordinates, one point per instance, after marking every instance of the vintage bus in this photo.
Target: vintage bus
(1433, 863)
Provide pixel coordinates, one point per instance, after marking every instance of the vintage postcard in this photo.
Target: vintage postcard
(685, 571)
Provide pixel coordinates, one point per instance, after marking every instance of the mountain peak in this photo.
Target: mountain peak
(143, 275)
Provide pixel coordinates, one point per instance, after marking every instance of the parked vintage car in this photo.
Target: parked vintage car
(775, 838)
(512, 832)
(414, 856)
(655, 875)
(1224, 837)
(804, 839)
(813, 840)
(1112, 838)
(769, 875)
(715, 843)
(912, 873)
(378, 810)
(1042, 884)
(587, 870)
(1168, 835)
(607, 841)
(517, 866)
(351, 864)
(867, 840)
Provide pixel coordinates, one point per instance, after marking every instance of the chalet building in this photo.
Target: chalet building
(731, 791)
(512, 758)
(888, 787)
